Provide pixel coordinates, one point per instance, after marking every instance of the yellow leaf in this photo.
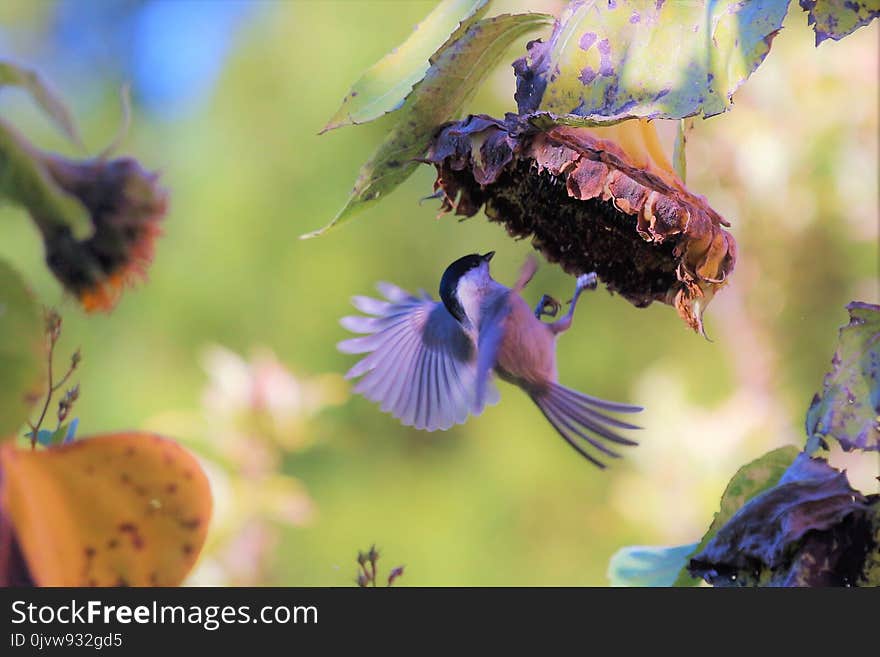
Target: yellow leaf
(116, 510)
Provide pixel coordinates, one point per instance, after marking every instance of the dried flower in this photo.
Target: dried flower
(394, 574)
(603, 200)
(66, 402)
(125, 204)
(368, 569)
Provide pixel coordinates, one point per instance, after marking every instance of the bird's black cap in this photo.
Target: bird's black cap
(449, 281)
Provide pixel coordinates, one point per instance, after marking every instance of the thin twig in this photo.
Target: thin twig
(63, 380)
(35, 428)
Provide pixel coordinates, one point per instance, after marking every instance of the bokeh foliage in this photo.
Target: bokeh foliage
(499, 500)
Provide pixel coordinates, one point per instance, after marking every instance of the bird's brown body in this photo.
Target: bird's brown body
(527, 354)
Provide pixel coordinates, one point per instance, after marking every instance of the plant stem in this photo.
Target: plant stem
(36, 428)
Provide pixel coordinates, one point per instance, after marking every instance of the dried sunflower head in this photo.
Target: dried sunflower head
(591, 199)
(125, 204)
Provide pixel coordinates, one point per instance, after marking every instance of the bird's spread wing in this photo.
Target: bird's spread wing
(421, 365)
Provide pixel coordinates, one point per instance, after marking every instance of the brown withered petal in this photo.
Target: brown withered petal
(125, 204)
(590, 203)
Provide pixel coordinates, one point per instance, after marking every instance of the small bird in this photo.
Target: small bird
(432, 363)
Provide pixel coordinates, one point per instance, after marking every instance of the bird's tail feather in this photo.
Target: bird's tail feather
(578, 417)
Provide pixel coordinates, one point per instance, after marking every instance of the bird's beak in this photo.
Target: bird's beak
(487, 256)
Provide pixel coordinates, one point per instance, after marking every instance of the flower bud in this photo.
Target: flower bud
(394, 574)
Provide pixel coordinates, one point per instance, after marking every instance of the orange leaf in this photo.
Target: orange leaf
(116, 510)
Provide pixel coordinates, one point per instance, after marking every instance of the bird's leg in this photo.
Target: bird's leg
(547, 306)
(526, 272)
(584, 282)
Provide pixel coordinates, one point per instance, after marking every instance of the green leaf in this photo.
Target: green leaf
(650, 60)
(835, 19)
(22, 352)
(385, 86)
(25, 181)
(848, 407)
(640, 565)
(63, 434)
(57, 437)
(749, 481)
(454, 75)
(48, 100)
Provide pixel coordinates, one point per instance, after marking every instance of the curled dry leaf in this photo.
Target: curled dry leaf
(592, 199)
(811, 529)
(115, 510)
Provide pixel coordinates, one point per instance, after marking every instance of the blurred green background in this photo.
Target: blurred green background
(228, 100)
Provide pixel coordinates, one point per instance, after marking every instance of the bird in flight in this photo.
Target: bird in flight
(431, 363)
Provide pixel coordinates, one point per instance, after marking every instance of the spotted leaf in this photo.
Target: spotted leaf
(848, 408)
(835, 19)
(114, 510)
(603, 60)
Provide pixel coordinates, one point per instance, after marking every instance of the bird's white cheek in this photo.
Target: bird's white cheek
(470, 294)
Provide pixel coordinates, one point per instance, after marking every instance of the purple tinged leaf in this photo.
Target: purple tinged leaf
(835, 19)
(848, 407)
(603, 60)
(531, 76)
(812, 528)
